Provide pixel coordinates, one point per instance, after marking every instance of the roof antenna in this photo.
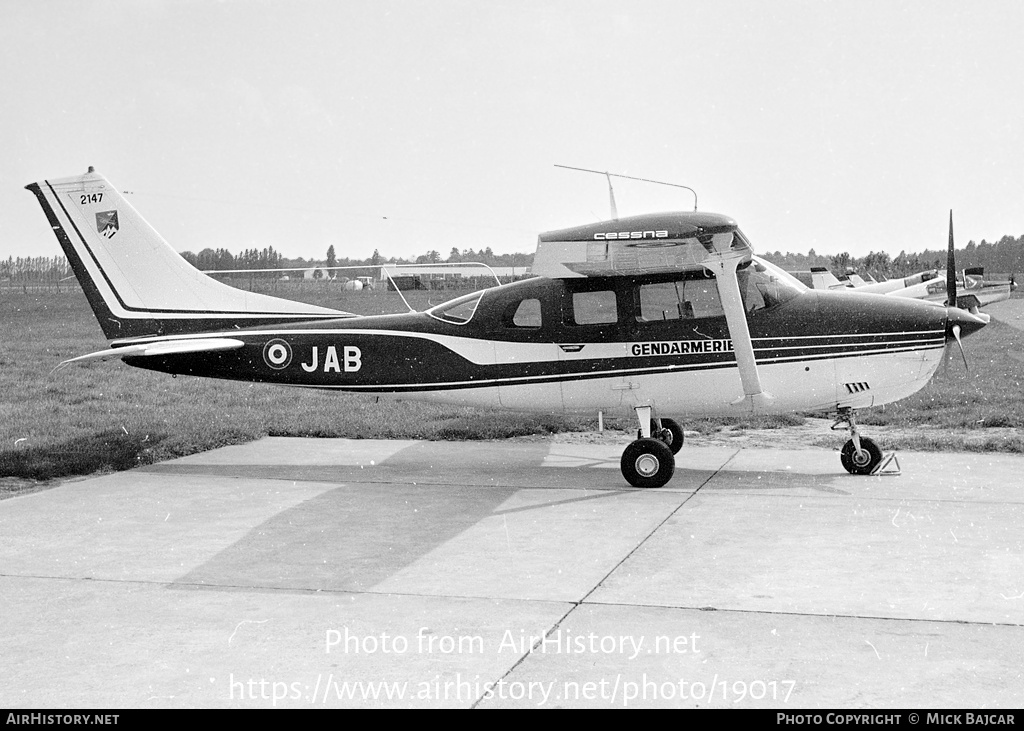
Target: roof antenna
(611, 193)
(611, 197)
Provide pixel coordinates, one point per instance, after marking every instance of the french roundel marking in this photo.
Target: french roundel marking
(277, 354)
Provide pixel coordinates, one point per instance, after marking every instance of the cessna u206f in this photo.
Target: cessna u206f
(660, 314)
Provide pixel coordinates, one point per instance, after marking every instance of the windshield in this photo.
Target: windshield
(459, 310)
(763, 285)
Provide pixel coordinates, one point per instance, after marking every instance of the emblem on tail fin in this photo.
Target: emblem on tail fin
(106, 223)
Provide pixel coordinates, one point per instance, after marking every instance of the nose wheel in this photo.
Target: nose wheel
(864, 461)
(860, 455)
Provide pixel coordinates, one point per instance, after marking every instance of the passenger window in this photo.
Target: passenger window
(594, 308)
(527, 314)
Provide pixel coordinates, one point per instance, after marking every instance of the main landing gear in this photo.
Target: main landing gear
(650, 460)
(860, 455)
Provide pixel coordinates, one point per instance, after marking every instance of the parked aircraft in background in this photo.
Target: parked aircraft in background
(890, 286)
(660, 314)
(974, 290)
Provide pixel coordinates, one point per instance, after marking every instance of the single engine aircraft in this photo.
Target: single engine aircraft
(822, 278)
(659, 314)
(974, 290)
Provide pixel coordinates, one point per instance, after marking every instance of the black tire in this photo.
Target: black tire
(863, 463)
(647, 463)
(671, 434)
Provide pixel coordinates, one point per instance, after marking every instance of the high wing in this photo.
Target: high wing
(663, 243)
(648, 244)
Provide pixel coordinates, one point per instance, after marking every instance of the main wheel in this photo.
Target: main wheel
(671, 434)
(863, 462)
(647, 463)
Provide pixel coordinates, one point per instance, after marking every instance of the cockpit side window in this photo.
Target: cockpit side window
(681, 299)
(703, 299)
(663, 301)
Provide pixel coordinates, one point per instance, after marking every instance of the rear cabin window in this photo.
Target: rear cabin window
(527, 314)
(460, 310)
(594, 308)
(683, 299)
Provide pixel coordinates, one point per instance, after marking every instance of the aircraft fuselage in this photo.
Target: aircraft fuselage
(528, 346)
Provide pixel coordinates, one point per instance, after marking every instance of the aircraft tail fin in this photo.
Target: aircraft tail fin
(135, 282)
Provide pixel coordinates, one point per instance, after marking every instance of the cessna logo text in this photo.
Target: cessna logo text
(631, 235)
(683, 347)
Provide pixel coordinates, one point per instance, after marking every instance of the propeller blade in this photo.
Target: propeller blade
(962, 323)
(960, 343)
(950, 268)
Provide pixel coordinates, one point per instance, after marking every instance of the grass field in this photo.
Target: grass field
(107, 416)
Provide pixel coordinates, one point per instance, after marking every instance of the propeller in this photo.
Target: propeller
(958, 322)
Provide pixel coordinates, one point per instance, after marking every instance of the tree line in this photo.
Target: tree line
(34, 269)
(1005, 256)
(268, 258)
(222, 259)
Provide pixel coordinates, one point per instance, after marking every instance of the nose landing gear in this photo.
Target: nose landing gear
(860, 455)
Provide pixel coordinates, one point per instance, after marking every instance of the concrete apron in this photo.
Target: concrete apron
(340, 573)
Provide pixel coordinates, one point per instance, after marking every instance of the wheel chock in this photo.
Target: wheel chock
(888, 466)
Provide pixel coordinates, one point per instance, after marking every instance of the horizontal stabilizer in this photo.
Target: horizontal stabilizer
(164, 347)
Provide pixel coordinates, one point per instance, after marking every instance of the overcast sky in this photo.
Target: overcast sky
(407, 126)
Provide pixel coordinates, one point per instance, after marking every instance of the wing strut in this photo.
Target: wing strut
(724, 269)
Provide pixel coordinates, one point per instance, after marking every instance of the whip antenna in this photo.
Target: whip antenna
(611, 193)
